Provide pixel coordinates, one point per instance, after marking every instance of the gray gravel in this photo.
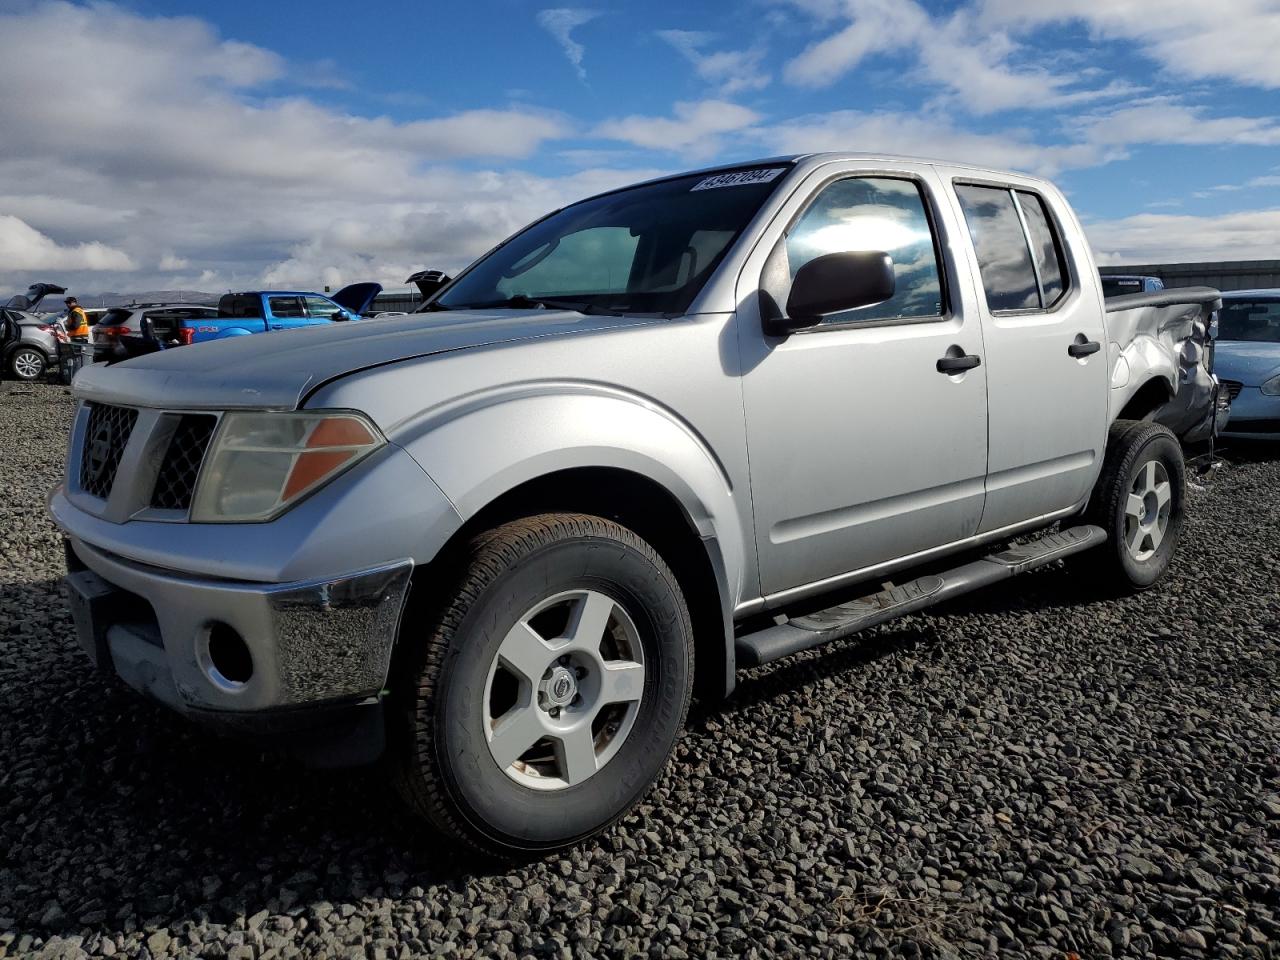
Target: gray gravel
(1033, 771)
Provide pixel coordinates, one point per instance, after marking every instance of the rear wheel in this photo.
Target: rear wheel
(548, 690)
(27, 363)
(1138, 501)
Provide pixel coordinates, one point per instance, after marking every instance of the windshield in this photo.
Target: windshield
(1256, 320)
(647, 249)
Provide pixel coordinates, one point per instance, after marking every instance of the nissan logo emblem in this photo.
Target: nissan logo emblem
(99, 452)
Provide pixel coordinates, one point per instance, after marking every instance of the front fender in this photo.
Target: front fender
(479, 447)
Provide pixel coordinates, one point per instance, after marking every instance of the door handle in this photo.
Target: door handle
(959, 364)
(1085, 349)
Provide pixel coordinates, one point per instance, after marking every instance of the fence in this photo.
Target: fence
(1224, 274)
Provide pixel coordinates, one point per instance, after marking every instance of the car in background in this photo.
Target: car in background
(1247, 361)
(1121, 285)
(139, 328)
(260, 311)
(29, 340)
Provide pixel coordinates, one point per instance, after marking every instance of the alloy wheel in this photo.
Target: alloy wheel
(563, 690)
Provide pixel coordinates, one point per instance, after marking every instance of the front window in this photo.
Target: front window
(321, 308)
(1250, 320)
(646, 249)
(874, 213)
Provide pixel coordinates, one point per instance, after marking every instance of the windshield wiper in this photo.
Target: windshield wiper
(522, 302)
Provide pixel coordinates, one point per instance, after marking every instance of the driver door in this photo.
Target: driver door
(861, 450)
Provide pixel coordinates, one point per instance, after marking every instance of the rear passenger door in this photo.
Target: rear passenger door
(1046, 361)
(286, 313)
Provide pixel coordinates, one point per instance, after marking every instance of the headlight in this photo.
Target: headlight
(1271, 387)
(261, 463)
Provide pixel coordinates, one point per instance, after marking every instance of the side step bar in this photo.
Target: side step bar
(835, 623)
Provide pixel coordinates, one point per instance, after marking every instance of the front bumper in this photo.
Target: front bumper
(241, 655)
(1254, 416)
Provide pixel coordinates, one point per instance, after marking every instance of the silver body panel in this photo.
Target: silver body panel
(801, 463)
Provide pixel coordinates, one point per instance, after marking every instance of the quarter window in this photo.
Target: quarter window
(1045, 248)
(874, 213)
(1019, 254)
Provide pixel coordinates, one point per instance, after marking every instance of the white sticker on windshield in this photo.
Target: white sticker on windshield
(738, 178)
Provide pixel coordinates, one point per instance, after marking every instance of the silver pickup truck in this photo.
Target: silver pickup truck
(658, 436)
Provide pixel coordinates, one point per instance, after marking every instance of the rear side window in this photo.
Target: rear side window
(1003, 257)
(874, 213)
(1022, 269)
(286, 307)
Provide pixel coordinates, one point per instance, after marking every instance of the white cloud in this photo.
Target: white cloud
(695, 128)
(926, 135)
(970, 63)
(1165, 121)
(731, 71)
(183, 163)
(22, 247)
(1235, 39)
(560, 22)
(1166, 238)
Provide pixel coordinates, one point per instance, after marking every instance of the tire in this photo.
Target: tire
(474, 695)
(1138, 501)
(27, 363)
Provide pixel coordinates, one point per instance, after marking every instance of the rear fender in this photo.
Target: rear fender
(1166, 341)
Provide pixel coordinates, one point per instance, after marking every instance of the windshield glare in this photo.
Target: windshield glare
(646, 249)
(1250, 320)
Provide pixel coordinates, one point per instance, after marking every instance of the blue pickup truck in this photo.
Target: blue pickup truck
(262, 310)
(129, 331)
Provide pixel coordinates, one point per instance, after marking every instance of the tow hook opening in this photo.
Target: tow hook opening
(230, 663)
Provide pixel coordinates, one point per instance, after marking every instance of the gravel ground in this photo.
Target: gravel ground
(1035, 770)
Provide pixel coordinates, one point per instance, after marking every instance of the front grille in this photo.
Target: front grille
(176, 482)
(1233, 387)
(105, 438)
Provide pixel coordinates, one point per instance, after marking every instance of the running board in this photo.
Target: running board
(838, 622)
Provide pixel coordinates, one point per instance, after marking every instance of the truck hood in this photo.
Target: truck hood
(278, 370)
(356, 297)
(1249, 362)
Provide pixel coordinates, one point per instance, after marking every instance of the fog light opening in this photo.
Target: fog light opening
(229, 656)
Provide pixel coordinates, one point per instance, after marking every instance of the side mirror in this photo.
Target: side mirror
(834, 283)
(339, 315)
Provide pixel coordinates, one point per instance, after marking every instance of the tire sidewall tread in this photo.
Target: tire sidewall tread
(498, 570)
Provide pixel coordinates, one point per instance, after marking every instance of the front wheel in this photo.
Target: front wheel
(549, 689)
(27, 363)
(1139, 501)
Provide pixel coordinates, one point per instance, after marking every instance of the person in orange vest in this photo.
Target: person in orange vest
(77, 323)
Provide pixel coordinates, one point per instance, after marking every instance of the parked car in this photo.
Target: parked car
(29, 341)
(659, 435)
(1119, 285)
(123, 332)
(1248, 359)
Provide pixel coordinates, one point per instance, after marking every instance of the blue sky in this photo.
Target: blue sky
(214, 145)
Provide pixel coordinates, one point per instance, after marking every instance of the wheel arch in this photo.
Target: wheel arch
(1149, 397)
(644, 506)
